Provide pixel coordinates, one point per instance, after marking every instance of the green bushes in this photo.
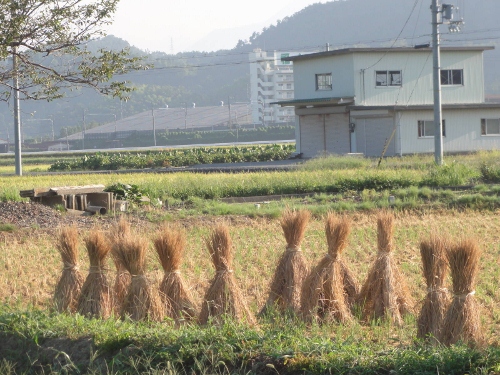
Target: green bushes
(174, 158)
(453, 174)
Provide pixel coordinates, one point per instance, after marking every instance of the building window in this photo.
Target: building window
(452, 77)
(384, 78)
(490, 126)
(324, 81)
(426, 128)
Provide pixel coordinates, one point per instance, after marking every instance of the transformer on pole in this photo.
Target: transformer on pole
(440, 14)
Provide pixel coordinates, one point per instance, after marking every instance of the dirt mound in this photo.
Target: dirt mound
(35, 215)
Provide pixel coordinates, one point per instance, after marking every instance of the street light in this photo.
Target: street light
(45, 119)
(154, 123)
(93, 114)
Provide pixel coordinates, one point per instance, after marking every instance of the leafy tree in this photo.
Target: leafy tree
(48, 39)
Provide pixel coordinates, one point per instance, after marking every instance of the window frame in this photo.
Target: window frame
(484, 127)
(389, 78)
(421, 128)
(451, 77)
(323, 86)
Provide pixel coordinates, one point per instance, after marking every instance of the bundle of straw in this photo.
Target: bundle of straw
(435, 270)
(385, 293)
(70, 284)
(122, 279)
(292, 269)
(169, 244)
(141, 302)
(462, 320)
(95, 298)
(323, 294)
(223, 297)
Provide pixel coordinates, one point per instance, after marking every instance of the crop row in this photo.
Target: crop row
(174, 158)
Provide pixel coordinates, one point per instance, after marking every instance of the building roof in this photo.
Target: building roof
(173, 119)
(426, 106)
(345, 51)
(349, 102)
(316, 102)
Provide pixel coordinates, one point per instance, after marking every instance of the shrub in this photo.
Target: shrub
(453, 174)
(490, 172)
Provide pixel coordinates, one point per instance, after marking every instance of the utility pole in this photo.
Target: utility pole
(440, 13)
(83, 132)
(17, 115)
(154, 126)
(229, 106)
(438, 117)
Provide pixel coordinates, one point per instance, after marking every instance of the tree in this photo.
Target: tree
(43, 51)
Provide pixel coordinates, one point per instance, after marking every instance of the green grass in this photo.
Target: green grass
(7, 227)
(282, 344)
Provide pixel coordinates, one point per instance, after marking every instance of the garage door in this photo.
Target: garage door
(312, 139)
(337, 133)
(372, 134)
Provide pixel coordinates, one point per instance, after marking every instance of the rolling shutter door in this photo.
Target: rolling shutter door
(311, 135)
(371, 135)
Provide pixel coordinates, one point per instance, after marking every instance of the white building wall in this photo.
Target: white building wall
(463, 131)
(271, 80)
(342, 72)
(417, 86)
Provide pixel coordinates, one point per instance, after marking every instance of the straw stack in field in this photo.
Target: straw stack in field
(70, 283)
(462, 321)
(385, 293)
(435, 270)
(170, 244)
(120, 231)
(291, 271)
(141, 301)
(324, 297)
(96, 296)
(223, 297)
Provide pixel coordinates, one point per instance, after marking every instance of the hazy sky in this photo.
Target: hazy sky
(157, 25)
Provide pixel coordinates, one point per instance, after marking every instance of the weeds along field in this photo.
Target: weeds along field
(30, 267)
(324, 175)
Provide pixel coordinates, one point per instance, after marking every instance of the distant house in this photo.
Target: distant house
(362, 100)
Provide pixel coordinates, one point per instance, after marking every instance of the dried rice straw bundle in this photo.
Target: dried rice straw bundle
(95, 298)
(122, 279)
(170, 244)
(223, 297)
(141, 302)
(437, 300)
(323, 293)
(385, 293)
(462, 320)
(291, 271)
(70, 283)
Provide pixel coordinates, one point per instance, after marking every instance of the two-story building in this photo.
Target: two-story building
(365, 100)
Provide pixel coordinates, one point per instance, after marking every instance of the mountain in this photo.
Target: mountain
(206, 78)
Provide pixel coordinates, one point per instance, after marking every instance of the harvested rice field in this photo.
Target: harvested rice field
(31, 266)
